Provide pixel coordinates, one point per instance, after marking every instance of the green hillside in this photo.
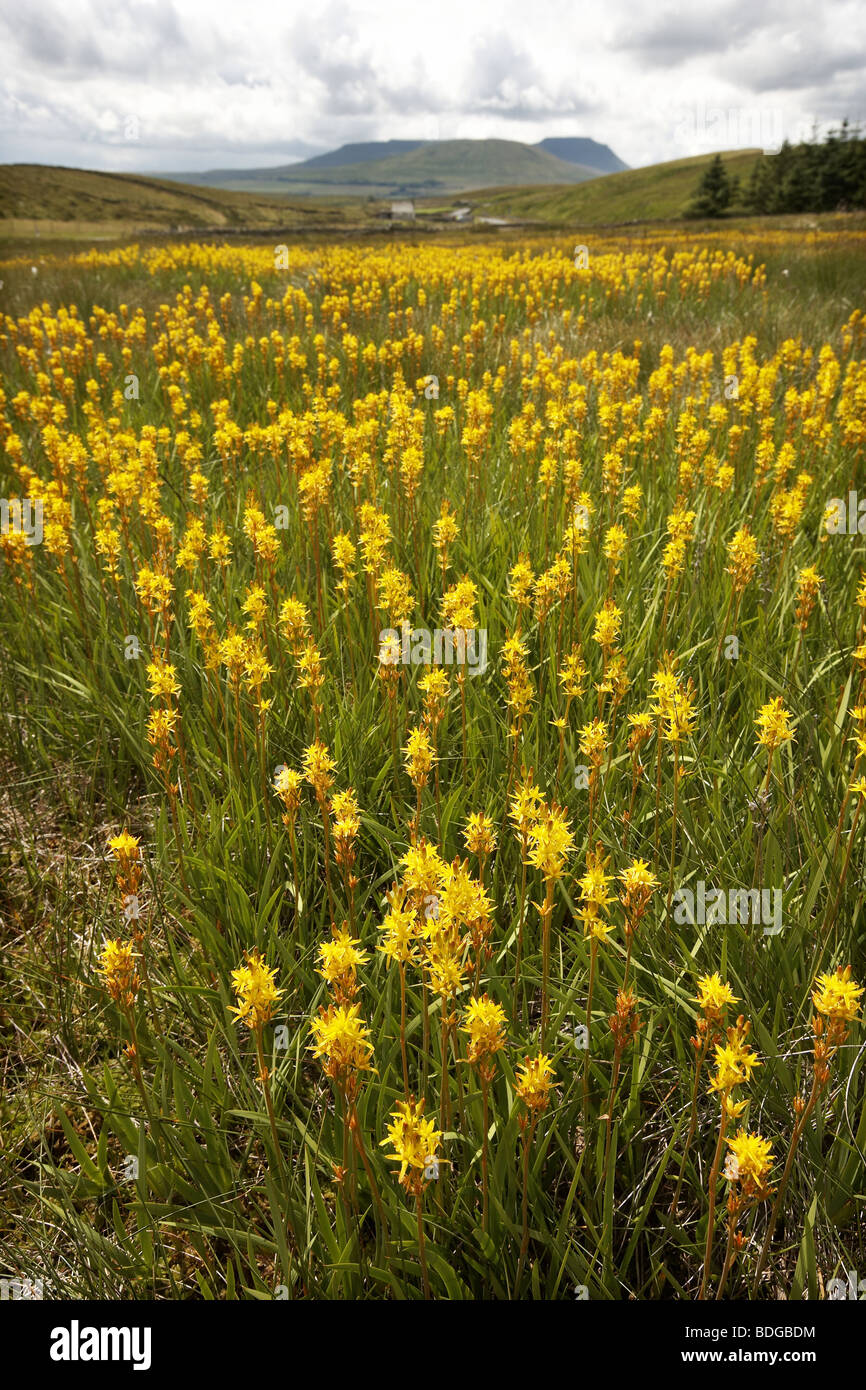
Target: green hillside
(657, 191)
(127, 203)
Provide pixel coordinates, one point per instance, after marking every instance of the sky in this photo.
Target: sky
(179, 85)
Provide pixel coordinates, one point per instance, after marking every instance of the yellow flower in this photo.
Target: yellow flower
(550, 843)
(573, 673)
(485, 1024)
(287, 785)
(533, 1082)
(414, 1139)
(445, 529)
(479, 835)
(592, 742)
(339, 960)
(743, 557)
(124, 847)
(750, 1159)
(614, 544)
(399, 930)
(608, 621)
(642, 729)
(594, 896)
(424, 871)
(311, 669)
(419, 756)
(639, 883)
(161, 680)
(117, 967)
(735, 1060)
(318, 766)
(520, 581)
(836, 995)
(342, 1040)
(395, 594)
(526, 807)
(774, 723)
(458, 605)
(714, 995)
(680, 715)
(444, 965)
(254, 985)
(808, 585)
(295, 623)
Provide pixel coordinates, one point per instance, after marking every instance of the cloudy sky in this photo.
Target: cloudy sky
(197, 84)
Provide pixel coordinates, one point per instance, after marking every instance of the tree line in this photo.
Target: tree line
(814, 176)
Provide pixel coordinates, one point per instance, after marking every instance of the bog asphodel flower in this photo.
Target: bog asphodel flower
(594, 895)
(287, 785)
(774, 724)
(485, 1024)
(399, 930)
(735, 1062)
(347, 823)
(749, 1161)
(639, 883)
(338, 963)
(743, 558)
(550, 844)
(836, 995)
(318, 768)
(808, 586)
(424, 871)
(836, 1003)
(479, 835)
(714, 995)
(608, 621)
(592, 742)
(342, 1042)
(118, 970)
(525, 807)
(415, 1143)
(254, 983)
(126, 850)
(533, 1083)
(419, 757)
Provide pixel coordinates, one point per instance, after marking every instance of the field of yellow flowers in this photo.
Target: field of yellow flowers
(434, 759)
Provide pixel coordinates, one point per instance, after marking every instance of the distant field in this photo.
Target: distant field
(43, 204)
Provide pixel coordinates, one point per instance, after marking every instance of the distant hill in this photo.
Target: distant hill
(411, 168)
(359, 154)
(659, 191)
(583, 151)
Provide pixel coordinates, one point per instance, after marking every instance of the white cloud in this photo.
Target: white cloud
(212, 83)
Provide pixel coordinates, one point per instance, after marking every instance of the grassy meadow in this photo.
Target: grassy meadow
(334, 969)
